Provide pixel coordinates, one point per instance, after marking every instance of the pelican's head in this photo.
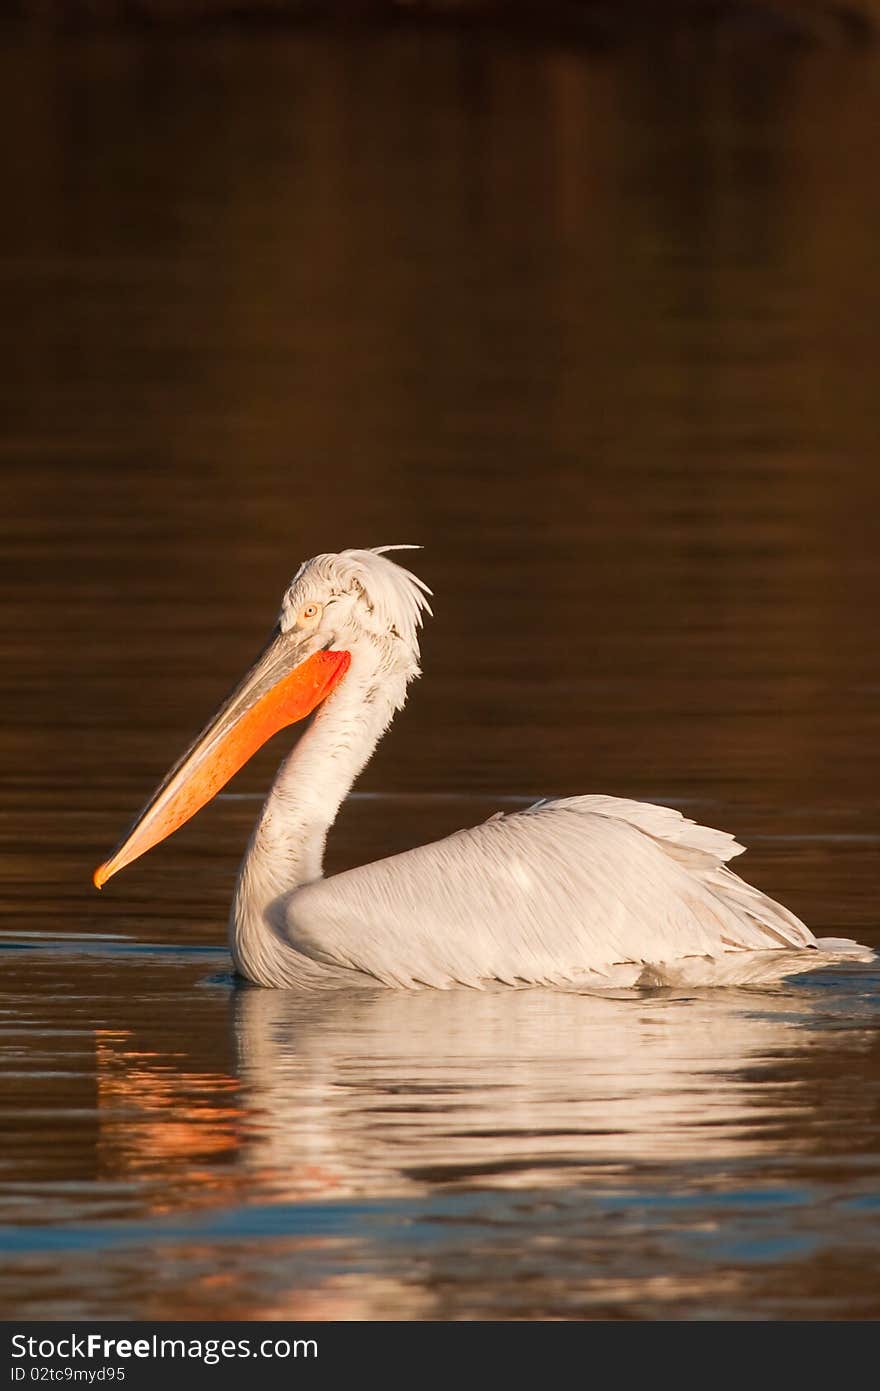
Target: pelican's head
(355, 609)
(362, 603)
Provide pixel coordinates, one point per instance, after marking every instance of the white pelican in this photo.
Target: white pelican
(582, 892)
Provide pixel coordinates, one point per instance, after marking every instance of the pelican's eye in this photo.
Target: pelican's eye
(309, 615)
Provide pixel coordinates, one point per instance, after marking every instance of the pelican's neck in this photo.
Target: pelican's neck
(286, 848)
(312, 783)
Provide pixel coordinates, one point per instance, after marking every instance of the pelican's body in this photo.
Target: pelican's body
(580, 892)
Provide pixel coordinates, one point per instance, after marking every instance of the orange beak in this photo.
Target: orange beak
(284, 686)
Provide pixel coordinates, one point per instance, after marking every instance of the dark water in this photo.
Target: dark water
(601, 333)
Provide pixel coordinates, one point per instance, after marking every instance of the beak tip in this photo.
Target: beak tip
(101, 875)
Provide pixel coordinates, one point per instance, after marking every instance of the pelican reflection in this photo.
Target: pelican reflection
(391, 1092)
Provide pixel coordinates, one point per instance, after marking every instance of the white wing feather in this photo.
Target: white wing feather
(568, 892)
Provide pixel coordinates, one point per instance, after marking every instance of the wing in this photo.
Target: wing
(567, 889)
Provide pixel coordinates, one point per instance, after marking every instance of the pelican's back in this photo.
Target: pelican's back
(581, 891)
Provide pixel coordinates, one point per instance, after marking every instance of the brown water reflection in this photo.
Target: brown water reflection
(437, 1155)
(602, 335)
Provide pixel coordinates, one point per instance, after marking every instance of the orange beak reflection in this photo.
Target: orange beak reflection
(280, 689)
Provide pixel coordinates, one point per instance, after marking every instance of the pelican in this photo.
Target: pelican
(589, 892)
